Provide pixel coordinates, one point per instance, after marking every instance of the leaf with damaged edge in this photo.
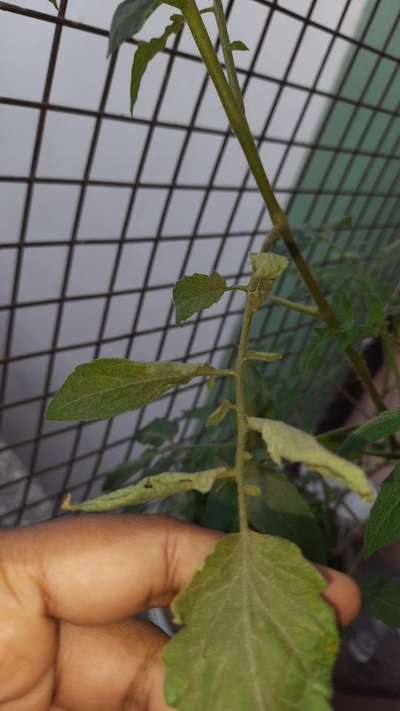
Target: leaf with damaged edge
(262, 637)
(151, 488)
(197, 292)
(146, 51)
(110, 386)
(286, 442)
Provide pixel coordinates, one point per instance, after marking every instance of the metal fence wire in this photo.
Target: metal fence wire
(101, 213)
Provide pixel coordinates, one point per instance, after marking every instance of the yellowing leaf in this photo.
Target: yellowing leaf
(286, 442)
(151, 488)
(257, 632)
(267, 265)
(109, 386)
(266, 268)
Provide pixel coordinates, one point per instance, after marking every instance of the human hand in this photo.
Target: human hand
(68, 592)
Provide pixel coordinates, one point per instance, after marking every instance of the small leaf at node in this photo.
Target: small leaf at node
(383, 425)
(151, 488)
(55, 4)
(286, 442)
(128, 19)
(258, 629)
(110, 386)
(222, 410)
(197, 292)
(382, 599)
(238, 46)
(384, 522)
(158, 431)
(266, 268)
(146, 51)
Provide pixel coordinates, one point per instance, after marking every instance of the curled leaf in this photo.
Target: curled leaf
(261, 636)
(286, 442)
(266, 268)
(197, 292)
(151, 488)
(238, 46)
(110, 386)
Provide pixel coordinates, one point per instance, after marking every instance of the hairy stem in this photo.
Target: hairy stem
(241, 414)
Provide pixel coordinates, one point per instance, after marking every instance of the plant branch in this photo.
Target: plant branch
(279, 220)
(293, 306)
(228, 54)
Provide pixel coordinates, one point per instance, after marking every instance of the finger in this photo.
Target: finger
(342, 593)
(101, 569)
(111, 668)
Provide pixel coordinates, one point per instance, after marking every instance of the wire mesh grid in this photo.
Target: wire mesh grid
(102, 212)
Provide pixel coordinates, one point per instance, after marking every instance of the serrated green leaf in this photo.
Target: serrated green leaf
(146, 51)
(197, 292)
(121, 474)
(382, 599)
(384, 522)
(262, 637)
(151, 488)
(282, 511)
(218, 415)
(110, 386)
(238, 46)
(286, 442)
(128, 19)
(383, 425)
(157, 432)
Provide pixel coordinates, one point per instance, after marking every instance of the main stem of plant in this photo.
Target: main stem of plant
(241, 413)
(228, 93)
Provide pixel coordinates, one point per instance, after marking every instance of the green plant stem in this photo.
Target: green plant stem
(228, 55)
(279, 220)
(293, 306)
(241, 414)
